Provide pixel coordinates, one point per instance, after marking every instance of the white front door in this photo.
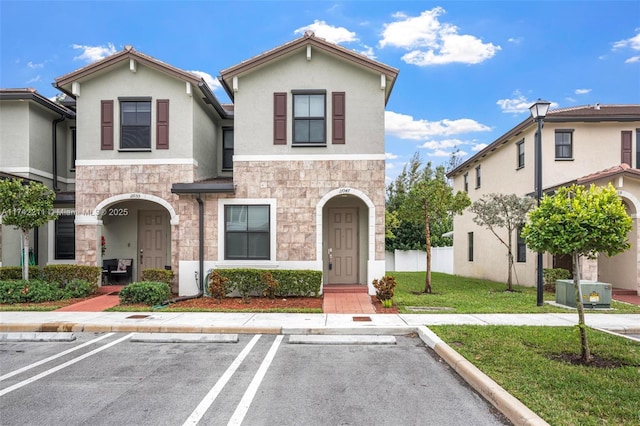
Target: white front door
(152, 240)
(343, 245)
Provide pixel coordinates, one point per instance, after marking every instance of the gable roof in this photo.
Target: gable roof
(30, 94)
(64, 82)
(582, 114)
(308, 39)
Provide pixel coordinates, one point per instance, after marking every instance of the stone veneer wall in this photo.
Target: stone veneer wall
(95, 184)
(298, 186)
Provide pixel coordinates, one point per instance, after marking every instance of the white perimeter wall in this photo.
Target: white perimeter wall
(415, 260)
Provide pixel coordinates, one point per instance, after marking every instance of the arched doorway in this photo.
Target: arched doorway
(621, 270)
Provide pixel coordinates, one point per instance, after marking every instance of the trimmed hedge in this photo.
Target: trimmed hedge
(147, 292)
(61, 274)
(158, 275)
(36, 291)
(278, 283)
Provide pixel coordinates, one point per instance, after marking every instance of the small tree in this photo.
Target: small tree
(25, 206)
(503, 211)
(579, 222)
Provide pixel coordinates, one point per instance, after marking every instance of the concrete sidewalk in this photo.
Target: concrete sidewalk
(212, 322)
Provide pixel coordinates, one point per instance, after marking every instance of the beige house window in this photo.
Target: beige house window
(520, 150)
(564, 144)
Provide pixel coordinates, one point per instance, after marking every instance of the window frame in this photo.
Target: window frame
(226, 149)
(295, 119)
(470, 246)
(148, 126)
(248, 233)
(564, 145)
(466, 181)
(521, 247)
(520, 159)
(71, 238)
(74, 148)
(478, 177)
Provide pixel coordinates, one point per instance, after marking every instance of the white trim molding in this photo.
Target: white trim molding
(309, 157)
(137, 162)
(136, 196)
(26, 171)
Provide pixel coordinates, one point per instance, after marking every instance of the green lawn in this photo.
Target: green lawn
(521, 360)
(469, 295)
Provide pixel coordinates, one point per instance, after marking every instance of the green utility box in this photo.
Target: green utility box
(594, 294)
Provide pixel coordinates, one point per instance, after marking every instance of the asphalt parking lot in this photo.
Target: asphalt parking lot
(136, 379)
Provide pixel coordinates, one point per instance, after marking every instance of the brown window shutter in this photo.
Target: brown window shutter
(162, 124)
(279, 118)
(626, 148)
(106, 124)
(337, 103)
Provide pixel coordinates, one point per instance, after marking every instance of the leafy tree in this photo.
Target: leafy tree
(431, 199)
(579, 222)
(503, 211)
(25, 206)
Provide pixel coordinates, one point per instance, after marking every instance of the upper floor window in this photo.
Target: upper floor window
(135, 123)
(227, 149)
(637, 148)
(466, 182)
(246, 229)
(520, 148)
(309, 118)
(478, 177)
(564, 144)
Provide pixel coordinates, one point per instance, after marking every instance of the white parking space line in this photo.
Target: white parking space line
(245, 402)
(61, 366)
(211, 396)
(51, 358)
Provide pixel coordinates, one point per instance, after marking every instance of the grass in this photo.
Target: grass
(470, 295)
(137, 308)
(519, 359)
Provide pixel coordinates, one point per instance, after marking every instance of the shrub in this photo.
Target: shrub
(246, 282)
(385, 288)
(147, 292)
(63, 274)
(550, 275)
(298, 282)
(20, 291)
(218, 286)
(15, 272)
(269, 285)
(158, 275)
(79, 288)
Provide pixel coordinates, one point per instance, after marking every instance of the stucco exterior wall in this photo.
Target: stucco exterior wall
(364, 104)
(14, 134)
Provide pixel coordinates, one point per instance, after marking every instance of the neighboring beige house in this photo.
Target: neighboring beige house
(37, 142)
(291, 176)
(589, 144)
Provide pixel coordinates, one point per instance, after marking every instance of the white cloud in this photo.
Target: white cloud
(94, 53)
(389, 166)
(633, 43)
(390, 156)
(582, 91)
(34, 66)
(368, 52)
(447, 143)
(515, 40)
(212, 82)
(479, 147)
(433, 43)
(406, 127)
(518, 104)
(34, 79)
(328, 32)
(632, 60)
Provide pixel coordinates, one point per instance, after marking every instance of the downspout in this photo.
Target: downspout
(200, 275)
(54, 140)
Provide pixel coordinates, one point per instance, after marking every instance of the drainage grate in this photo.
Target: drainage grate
(138, 316)
(361, 319)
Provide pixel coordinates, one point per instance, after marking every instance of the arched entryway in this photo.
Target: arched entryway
(137, 227)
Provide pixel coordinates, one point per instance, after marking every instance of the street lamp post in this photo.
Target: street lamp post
(538, 113)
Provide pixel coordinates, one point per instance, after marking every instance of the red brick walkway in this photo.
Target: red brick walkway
(108, 299)
(346, 299)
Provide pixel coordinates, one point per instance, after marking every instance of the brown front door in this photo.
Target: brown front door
(343, 245)
(152, 240)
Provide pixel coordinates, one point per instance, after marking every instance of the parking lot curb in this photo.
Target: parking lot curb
(132, 328)
(518, 413)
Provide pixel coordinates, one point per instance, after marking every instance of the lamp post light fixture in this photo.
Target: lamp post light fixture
(538, 113)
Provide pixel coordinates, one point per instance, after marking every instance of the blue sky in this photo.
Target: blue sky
(468, 69)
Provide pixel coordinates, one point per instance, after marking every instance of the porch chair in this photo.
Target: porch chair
(122, 272)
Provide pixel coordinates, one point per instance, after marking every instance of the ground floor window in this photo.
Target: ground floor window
(522, 247)
(65, 237)
(247, 232)
(470, 241)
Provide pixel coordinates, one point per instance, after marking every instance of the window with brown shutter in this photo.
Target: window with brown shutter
(626, 147)
(279, 118)
(162, 124)
(338, 117)
(106, 123)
